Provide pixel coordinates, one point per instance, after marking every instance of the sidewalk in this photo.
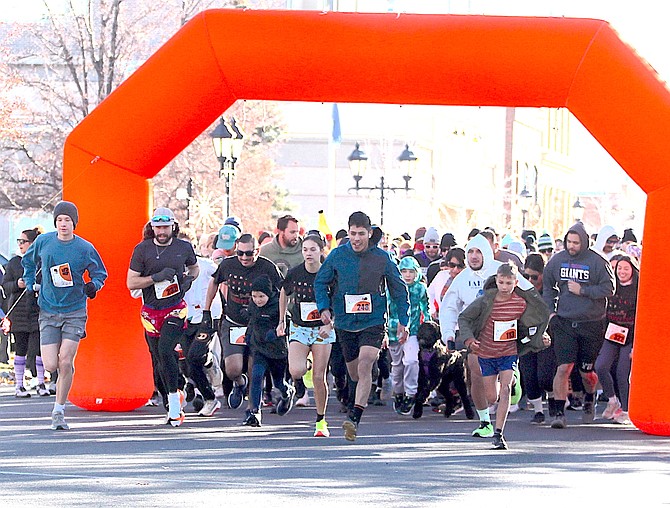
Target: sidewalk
(132, 459)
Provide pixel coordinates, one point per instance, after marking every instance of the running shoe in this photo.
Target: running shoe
(559, 422)
(210, 407)
(42, 390)
(485, 429)
(236, 396)
(190, 391)
(302, 401)
(397, 402)
(58, 421)
(321, 429)
(22, 393)
(538, 418)
(611, 409)
(285, 404)
(515, 397)
(622, 417)
(176, 422)
(350, 429)
(588, 413)
(52, 388)
(154, 401)
(499, 442)
(198, 403)
(253, 418)
(407, 404)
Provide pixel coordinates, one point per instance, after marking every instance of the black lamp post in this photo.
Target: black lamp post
(358, 164)
(228, 148)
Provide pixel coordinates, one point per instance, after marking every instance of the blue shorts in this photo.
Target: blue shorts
(493, 366)
(309, 336)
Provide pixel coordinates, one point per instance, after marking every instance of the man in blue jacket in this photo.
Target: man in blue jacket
(577, 282)
(350, 290)
(63, 258)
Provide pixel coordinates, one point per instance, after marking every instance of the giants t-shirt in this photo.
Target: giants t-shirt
(299, 283)
(501, 312)
(239, 279)
(149, 258)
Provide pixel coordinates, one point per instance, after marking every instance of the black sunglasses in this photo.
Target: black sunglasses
(531, 277)
(21, 241)
(547, 250)
(248, 253)
(454, 265)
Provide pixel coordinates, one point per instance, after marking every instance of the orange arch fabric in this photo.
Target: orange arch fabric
(580, 64)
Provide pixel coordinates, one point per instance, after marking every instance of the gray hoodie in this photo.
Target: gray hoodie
(590, 269)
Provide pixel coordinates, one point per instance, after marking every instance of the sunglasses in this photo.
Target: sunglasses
(21, 241)
(546, 251)
(161, 218)
(454, 265)
(531, 277)
(247, 253)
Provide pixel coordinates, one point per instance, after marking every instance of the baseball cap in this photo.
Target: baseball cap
(162, 217)
(228, 235)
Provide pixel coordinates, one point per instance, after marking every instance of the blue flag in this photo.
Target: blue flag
(337, 132)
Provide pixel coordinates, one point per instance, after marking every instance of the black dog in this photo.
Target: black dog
(438, 369)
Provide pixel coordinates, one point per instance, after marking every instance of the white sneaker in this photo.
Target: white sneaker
(302, 401)
(611, 409)
(210, 407)
(621, 417)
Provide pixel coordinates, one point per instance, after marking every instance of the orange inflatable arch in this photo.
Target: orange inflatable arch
(580, 64)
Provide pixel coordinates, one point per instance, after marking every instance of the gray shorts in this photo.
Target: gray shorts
(66, 326)
(228, 346)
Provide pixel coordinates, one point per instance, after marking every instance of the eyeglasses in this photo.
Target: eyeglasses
(247, 253)
(161, 218)
(454, 265)
(531, 277)
(21, 241)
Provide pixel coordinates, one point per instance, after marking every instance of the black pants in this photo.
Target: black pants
(537, 372)
(197, 353)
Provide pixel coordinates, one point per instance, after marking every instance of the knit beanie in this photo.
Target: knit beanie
(545, 242)
(448, 241)
(69, 209)
(263, 284)
(628, 236)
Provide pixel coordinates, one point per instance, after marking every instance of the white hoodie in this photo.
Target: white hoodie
(468, 285)
(604, 233)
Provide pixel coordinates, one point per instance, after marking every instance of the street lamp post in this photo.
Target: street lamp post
(358, 164)
(228, 148)
(185, 194)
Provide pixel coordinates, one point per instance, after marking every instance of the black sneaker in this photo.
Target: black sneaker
(538, 418)
(236, 397)
(407, 405)
(253, 419)
(559, 422)
(198, 403)
(397, 402)
(190, 392)
(285, 404)
(499, 442)
(588, 412)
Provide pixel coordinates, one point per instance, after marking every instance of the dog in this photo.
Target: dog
(438, 369)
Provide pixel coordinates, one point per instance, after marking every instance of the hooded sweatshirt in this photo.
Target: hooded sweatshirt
(604, 233)
(418, 301)
(468, 285)
(590, 269)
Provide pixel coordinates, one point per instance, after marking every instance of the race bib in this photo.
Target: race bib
(61, 276)
(309, 312)
(504, 331)
(616, 333)
(358, 304)
(166, 288)
(237, 335)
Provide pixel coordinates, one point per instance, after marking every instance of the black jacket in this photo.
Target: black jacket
(24, 315)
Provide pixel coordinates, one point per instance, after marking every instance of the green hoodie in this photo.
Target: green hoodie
(418, 301)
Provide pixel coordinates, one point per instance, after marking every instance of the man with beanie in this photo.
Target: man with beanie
(164, 267)
(545, 245)
(63, 258)
(431, 250)
(351, 290)
(446, 243)
(577, 283)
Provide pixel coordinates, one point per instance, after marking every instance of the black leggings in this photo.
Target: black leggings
(537, 372)
(27, 343)
(163, 350)
(197, 353)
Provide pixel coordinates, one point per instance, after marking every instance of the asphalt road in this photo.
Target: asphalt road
(132, 459)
